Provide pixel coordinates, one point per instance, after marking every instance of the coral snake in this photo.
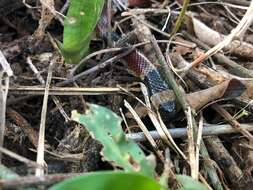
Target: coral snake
(141, 66)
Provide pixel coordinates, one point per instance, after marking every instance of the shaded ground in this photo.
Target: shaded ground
(69, 147)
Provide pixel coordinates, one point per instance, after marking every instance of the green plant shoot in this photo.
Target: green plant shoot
(105, 126)
(79, 24)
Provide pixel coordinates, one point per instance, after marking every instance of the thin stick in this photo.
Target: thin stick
(65, 7)
(93, 69)
(35, 70)
(243, 7)
(169, 76)
(233, 122)
(238, 2)
(20, 158)
(232, 171)
(42, 81)
(35, 180)
(182, 100)
(208, 130)
(109, 50)
(66, 91)
(147, 10)
(116, 49)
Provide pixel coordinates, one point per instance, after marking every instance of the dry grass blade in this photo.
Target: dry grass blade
(169, 136)
(3, 98)
(42, 81)
(5, 65)
(141, 125)
(198, 143)
(144, 129)
(159, 125)
(191, 145)
(41, 143)
(5, 73)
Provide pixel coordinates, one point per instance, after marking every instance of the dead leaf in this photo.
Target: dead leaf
(212, 38)
(228, 89)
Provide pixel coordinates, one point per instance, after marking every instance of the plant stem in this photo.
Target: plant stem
(180, 17)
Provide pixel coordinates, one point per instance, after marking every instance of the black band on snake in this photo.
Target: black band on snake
(141, 67)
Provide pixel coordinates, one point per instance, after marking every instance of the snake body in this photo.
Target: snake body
(139, 65)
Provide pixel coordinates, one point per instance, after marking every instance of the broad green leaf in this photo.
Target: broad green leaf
(109, 181)
(79, 24)
(188, 183)
(105, 126)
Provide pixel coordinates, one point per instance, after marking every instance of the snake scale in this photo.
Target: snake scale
(141, 66)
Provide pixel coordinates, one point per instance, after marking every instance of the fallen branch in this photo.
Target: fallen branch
(208, 130)
(34, 180)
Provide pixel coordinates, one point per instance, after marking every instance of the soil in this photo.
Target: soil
(70, 148)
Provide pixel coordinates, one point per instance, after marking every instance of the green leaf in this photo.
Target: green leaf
(105, 126)
(79, 24)
(109, 181)
(188, 183)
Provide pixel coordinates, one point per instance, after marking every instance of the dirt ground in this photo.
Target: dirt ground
(226, 76)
